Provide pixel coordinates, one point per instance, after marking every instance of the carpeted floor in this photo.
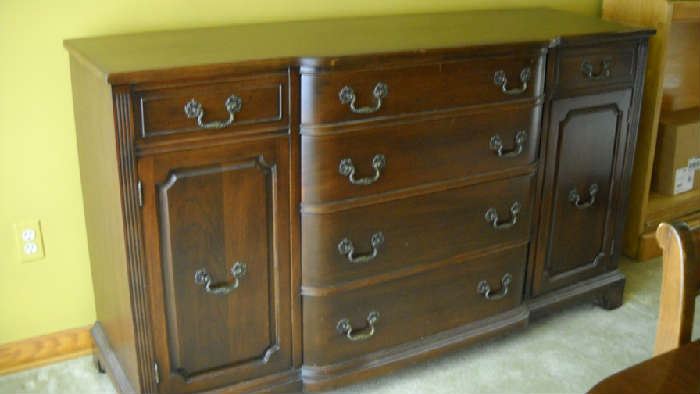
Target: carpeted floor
(567, 352)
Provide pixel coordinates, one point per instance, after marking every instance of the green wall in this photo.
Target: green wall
(38, 160)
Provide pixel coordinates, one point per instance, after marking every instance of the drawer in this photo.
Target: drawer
(416, 153)
(225, 106)
(328, 97)
(412, 231)
(411, 308)
(589, 67)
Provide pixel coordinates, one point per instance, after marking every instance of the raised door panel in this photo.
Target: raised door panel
(220, 221)
(584, 165)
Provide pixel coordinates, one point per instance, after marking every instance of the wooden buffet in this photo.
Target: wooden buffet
(308, 204)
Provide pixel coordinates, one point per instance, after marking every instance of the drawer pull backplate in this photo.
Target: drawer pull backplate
(485, 290)
(344, 327)
(194, 109)
(496, 144)
(575, 198)
(492, 217)
(202, 277)
(347, 96)
(346, 248)
(500, 79)
(347, 168)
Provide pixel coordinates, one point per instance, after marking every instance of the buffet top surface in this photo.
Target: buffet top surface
(121, 57)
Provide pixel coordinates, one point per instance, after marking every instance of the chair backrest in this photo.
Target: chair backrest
(679, 285)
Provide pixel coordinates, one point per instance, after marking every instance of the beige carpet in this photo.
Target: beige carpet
(567, 352)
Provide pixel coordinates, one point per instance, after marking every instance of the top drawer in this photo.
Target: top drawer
(592, 67)
(332, 97)
(229, 105)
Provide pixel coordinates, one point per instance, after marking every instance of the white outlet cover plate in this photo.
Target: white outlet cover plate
(30, 243)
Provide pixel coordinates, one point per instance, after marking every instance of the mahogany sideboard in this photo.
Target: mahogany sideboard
(302, 205)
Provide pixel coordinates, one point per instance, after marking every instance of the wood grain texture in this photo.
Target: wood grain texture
(672, 372)
(681, 89)
(136, 264)
(421, 88)
(440, 148)
(419, 230)
(106, 358)
(378, 363)
(599, 123)
(46, 349)
(668, 208)
(610, 64)
(687, 11)
(209, 208)
(268, 189)
(159, 110)
(672, 60)
(679, 285)
(284, 42)
(649, 246)
(101, 188)
(410, 308)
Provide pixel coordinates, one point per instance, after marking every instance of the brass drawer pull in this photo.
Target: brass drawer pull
(500, 79)
(347, 95)
(575, 198)
(347, 168)
(496, 144)
(346, 329)
(485, 290)
(492, 217)
(202, 277)
(605, 70)
(194, 109)
(346, 248)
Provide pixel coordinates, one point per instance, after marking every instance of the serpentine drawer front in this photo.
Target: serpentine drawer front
(297, 206)
(418, 230)
(411, 308)
(427, 150)
(360, 95)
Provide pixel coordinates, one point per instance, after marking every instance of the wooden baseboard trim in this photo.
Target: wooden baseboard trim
(46, 349)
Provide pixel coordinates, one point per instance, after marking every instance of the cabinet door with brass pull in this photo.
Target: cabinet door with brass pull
(217, 223)
(587, 143)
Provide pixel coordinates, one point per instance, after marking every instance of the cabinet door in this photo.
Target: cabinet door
(216, 225)
(583, 173)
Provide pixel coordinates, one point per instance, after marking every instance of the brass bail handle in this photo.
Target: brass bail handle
(575, 198)
(346, 248)
(202, 277)
(500, 79)
(491, 216)
(485, 290)
(519, 140)
(195, 110)
(345, 328)
(347, 96)
(605, 69)
(347, 168)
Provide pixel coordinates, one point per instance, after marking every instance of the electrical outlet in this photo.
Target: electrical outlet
(30, 244)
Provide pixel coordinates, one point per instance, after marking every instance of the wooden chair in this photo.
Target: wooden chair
(679, 286)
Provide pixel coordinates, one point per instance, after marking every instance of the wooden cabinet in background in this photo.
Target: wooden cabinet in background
(672, 86)
(302, 205)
